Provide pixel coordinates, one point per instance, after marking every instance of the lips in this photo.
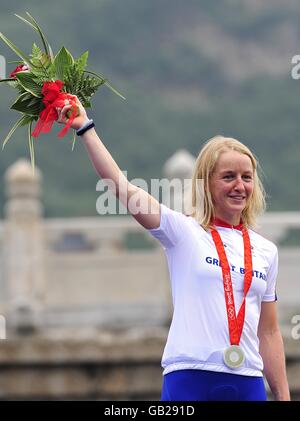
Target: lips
(237, 197)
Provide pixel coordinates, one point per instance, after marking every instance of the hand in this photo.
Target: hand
(78, 121)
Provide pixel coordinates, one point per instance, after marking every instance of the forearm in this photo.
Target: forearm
(272, 352)
(103, 162)
(144, 207)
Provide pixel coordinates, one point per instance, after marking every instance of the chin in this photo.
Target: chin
(235, 211)
(238, 207)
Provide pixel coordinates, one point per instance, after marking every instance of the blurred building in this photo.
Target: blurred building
(86, 301)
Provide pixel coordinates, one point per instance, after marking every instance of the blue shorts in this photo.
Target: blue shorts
(202, 385)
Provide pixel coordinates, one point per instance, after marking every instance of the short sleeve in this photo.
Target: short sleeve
(171, 229)
(270, 294)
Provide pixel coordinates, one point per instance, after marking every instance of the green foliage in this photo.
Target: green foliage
(78, 83)
(33, 24)
(30, 83)
(23, 56)
(43, 67)
(21, 122)
(62, 62)
(26, 103)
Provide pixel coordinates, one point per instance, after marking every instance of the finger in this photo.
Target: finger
(59, 115)
(64, 110)
(60, 118)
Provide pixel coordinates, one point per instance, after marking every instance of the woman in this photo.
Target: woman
(224, 330)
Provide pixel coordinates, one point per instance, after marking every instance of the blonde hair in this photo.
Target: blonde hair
(203, 212)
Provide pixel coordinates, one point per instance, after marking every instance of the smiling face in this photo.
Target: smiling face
(231, 185)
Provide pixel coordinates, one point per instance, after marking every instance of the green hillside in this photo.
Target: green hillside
(189, 70)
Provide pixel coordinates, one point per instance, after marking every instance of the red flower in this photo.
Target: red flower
(53, 98)
(20, 68)
(51, 91)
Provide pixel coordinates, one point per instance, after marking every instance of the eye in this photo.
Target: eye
(247, 177)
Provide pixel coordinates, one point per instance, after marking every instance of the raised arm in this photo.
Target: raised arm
(143, 207)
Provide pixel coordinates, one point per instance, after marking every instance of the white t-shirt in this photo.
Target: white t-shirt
(199, 333)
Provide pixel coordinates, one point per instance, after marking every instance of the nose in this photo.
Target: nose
(239, 185)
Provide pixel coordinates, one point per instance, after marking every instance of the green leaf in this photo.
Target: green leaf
(20, 53)
(74, 140)
(36, 51)
(33, 24)
(28, 104)
(31, 146)
(81, 62)
(106, 83)
(26, 21)
(43, 65)
(84, 87)
(87, 104)
(51, 55)
(19, 87)
(48, 49)
(7, 80)
(42, 74)
(114, 90)
(28, 119)
(13, 83)
(39, 58)
(36, 54)
(26, 79)
(62, 61)
(13, 129)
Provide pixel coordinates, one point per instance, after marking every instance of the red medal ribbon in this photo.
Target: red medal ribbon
(235, 323)
(53, 98)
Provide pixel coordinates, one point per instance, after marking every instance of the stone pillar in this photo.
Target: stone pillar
(179, 170)
(24, 271)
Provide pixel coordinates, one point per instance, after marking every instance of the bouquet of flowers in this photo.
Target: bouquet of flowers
(44, 81)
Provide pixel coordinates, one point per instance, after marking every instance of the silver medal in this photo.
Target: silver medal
(234, 356)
